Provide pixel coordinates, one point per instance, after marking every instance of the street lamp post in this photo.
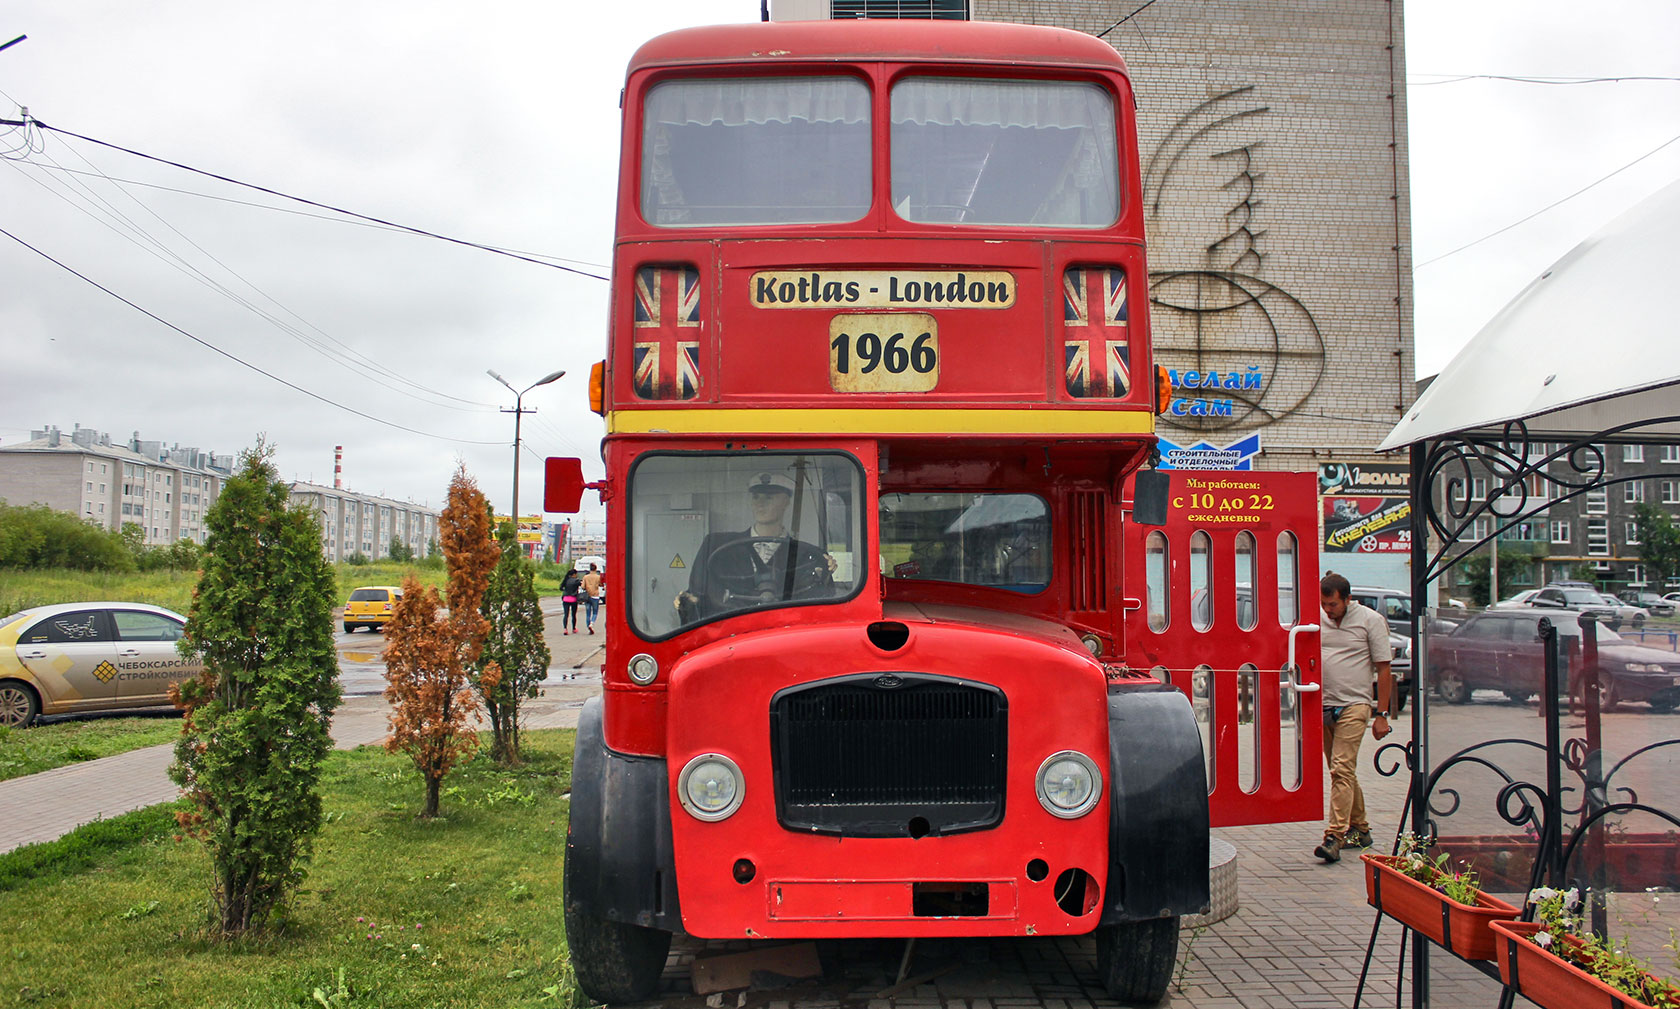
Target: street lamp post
(518, 412)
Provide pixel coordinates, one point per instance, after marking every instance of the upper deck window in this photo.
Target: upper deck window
(760, 150)
(1004, 152)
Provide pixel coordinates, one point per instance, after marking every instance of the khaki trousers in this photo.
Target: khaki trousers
(1341, 755)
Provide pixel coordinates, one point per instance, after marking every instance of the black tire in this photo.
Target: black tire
(614, 962)
(1662, 705)
(1638, 622)
(1136, 959)
(349, 628)
(19, 704)
(1452, 687)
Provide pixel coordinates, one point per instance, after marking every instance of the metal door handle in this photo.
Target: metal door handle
(129, 653)
(32, 655)
(1294, 671)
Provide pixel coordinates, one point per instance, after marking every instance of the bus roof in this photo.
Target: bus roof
(882, 39)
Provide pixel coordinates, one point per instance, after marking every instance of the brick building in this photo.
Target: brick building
(1272, 139)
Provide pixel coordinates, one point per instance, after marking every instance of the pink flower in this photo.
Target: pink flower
(360, 918)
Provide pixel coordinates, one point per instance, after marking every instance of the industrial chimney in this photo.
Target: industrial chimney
(338, 467)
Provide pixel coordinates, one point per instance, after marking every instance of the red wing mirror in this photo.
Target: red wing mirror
(562, 485)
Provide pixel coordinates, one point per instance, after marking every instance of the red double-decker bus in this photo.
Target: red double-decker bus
(887, 653)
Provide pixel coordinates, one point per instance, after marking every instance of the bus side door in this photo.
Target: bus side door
(1217, 590)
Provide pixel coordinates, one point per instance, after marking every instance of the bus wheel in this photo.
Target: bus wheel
(1136, 959)
(614, 962)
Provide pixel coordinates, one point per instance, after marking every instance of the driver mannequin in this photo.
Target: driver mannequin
(735, 570)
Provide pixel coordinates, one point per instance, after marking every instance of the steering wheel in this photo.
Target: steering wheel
(758, 580)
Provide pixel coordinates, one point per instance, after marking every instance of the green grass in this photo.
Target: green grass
(173, 589)
(114, 914)
(43, 747)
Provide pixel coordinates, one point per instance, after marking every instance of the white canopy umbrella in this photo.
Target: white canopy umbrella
(1589, 346)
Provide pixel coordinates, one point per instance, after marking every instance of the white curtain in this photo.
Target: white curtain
(938, 101)
(760, 100)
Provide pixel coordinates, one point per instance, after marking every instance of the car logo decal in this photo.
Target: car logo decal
(888, 681)
(105, 671)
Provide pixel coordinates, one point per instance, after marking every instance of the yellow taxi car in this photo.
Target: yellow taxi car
(75, 657)
(370, 606)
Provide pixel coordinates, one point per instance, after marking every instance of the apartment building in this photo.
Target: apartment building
(364, 525)
(166, 490)
(163, 490)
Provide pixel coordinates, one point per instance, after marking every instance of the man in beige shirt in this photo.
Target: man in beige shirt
(1353, 643)
(591, 597)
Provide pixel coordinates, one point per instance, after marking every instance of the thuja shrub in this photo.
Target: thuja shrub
(255, 729)
(430, 654)
(515, 657)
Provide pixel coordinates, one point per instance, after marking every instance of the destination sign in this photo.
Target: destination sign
(883, 289)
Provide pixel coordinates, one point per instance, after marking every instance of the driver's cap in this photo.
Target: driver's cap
(770, 483)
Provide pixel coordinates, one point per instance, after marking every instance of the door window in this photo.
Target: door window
(133, 625)
(1155, 578)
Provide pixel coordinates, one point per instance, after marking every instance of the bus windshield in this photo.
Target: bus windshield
(761, 150)
(1004, 152)
(998, 540)
(713, 534)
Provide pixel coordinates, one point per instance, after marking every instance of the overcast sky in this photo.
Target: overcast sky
(498, 122)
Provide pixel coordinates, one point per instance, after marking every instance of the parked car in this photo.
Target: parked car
(1401, 667)
(1395, 605)
(1672, 597)
(1627, 613)
(1657, 606)
(88, 657)
(1500, 650)
(370, 606)
(1514, 602)
(1560, 596)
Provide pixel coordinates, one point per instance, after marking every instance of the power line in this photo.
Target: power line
(1549, 206)
(287, 210)
(1458, 78)
(233, 357)
(312, 203)
(150, 244)
(1128, 17)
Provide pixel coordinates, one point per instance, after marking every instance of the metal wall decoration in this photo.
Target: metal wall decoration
(1564, 821)
(1220, 317)
(1524, 477)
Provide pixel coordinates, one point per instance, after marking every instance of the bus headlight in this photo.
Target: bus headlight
(1069, 784)
(643, 669)
(710, 787)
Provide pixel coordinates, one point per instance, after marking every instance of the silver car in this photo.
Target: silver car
(88, 657)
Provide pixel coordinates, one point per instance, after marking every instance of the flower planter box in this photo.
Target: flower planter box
(1461, 928)
(1547, 979)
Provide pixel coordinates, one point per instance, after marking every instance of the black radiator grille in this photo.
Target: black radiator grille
(887, 755)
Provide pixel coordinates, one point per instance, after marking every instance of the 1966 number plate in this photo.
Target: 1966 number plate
(888, 352)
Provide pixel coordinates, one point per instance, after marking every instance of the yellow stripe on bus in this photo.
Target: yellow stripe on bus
(859, 421)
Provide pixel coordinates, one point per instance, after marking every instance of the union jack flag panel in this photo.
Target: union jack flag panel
(667, 324)
(1096, 340)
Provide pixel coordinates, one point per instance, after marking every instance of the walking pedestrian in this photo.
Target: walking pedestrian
(591, 597)
(1353, 644)
(569, 589)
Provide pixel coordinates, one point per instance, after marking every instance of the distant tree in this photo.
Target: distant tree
(1659, 544)
(515, 657)
(399, 551)
(254, 733)
(35, 536)
(430, 655)
(1478, 575)
(357, 559)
